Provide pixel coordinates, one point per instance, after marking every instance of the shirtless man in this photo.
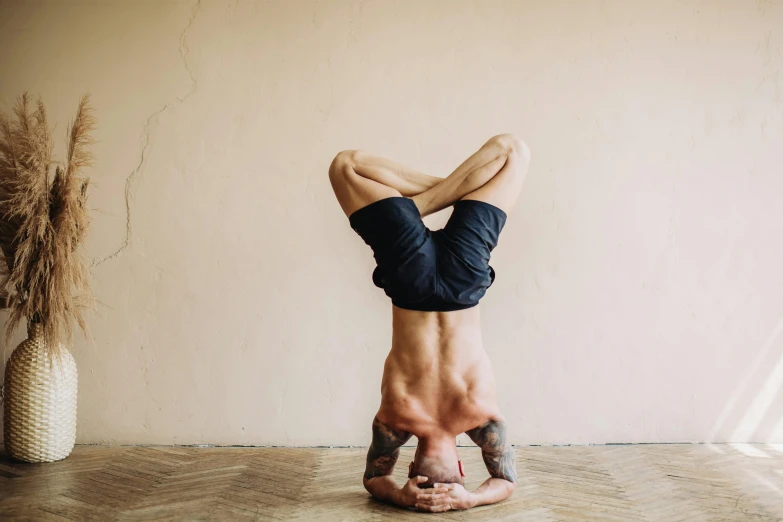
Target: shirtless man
(437, 380)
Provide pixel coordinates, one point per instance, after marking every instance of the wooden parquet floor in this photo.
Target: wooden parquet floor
(644, 482)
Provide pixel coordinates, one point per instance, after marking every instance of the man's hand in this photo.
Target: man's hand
(406, 495)
(444, 497)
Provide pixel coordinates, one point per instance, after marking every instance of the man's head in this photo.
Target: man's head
(438, 462)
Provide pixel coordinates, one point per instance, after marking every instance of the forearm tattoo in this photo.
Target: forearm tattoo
(384, 450)
(497, 452)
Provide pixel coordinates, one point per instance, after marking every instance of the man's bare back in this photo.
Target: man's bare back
(437, 380)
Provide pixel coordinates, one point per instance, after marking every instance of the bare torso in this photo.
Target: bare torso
(437, 380)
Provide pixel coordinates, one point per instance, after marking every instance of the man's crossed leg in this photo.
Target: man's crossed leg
(494, 174)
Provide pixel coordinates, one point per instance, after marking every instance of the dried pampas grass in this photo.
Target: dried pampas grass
(43, 220)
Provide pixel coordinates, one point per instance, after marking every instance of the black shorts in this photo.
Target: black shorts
(434, 271)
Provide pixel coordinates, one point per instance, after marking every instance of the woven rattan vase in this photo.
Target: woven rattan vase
(40, 402)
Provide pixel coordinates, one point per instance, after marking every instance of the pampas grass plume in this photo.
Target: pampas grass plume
(43, 220)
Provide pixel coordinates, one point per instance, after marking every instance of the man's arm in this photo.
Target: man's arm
(381, 458)
(499, 458)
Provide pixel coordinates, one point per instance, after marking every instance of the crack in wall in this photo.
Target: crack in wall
(145, 137)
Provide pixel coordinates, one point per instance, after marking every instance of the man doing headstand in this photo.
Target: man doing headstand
(437, 380)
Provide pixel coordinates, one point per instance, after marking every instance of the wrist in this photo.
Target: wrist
(398, 498)
(472, 500)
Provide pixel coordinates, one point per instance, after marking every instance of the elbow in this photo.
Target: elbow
(368, 484)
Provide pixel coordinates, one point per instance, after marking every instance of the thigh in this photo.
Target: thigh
(353, 191)
(466, 243)
(473, 231)
(502, 191)
(402, 246)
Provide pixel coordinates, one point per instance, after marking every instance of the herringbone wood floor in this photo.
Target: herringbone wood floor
(647, 483)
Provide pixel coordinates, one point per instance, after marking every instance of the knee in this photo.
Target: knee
(511, 144)
(342, 164)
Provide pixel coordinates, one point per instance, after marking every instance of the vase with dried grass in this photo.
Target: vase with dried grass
(44, 279)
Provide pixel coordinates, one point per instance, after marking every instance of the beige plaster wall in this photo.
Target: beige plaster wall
(640, 280)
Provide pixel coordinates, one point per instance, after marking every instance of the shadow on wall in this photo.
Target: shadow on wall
(754, 413)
